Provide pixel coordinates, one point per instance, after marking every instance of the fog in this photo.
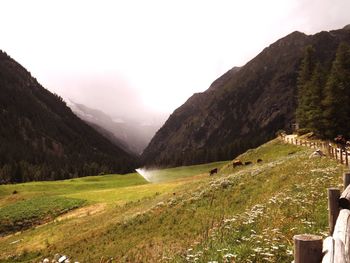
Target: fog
(109, 93)
(143, 59)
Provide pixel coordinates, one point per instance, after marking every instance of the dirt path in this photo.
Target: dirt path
(83, 211)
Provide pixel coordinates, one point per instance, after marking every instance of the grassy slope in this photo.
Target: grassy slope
(165, 175)
(114, 196)
(248, 213)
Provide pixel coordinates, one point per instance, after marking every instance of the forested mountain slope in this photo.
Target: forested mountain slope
(244, 107)
(40, 137)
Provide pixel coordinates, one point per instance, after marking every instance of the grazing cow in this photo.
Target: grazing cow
(236, 163)
(259, 161)
(247, 163)
(214, 171)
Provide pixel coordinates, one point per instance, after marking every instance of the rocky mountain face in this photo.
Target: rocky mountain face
(131, 135)
(42, 139)
(243, 108)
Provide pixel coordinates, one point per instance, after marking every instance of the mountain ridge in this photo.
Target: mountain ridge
(41, 138)
(244, 109)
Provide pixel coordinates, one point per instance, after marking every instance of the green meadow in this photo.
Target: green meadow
(243, 214)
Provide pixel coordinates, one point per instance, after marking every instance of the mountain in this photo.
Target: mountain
(131, 135)
(243, 108)
(42, 139)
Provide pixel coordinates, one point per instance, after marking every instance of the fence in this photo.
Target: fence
(336, 247)
(330, 149)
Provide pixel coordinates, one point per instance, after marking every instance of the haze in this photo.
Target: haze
(143, 59)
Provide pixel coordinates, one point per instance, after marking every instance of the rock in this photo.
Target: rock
(62, 259)
(316, 154)
(225, 183)
(161, 204)
(46, 260)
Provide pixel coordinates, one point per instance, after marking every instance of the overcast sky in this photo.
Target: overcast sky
(126, 56)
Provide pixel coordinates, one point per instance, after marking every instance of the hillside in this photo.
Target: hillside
(246, 214)
(243, 108)
(41, 138)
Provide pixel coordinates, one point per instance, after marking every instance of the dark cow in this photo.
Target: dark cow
(236, 163)
(259, 161)
(214, 171)
(247, 163)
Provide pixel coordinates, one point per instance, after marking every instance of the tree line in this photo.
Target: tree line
(324, 94)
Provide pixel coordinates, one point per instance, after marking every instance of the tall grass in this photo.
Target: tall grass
(245, 214)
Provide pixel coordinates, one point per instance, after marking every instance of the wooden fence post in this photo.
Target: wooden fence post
(346, 179)
(344, 200)
(336, 153)
(341, 155)
(333, 207)
(307, 249)
(334, 250)
(341, 231)
(346, 157)
(330, 151)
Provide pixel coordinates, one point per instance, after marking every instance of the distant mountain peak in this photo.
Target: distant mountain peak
(131, 135)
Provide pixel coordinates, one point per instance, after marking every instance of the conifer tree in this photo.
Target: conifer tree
(315, 110)
(337, 95)
(305, 75)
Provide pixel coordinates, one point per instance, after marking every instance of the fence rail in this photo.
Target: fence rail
(341, 154)
(336, 247)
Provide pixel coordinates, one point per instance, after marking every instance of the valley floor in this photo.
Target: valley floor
(243, 214)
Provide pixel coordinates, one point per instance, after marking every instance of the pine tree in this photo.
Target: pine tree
(305, 75)
(337, 95)
(315, 110)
